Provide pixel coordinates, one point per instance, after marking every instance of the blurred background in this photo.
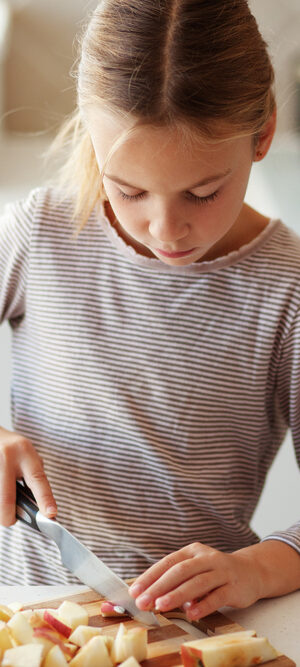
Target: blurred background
(37, 50)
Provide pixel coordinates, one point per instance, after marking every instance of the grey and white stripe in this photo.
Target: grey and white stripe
(157, 396)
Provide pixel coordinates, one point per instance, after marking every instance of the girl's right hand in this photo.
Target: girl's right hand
(18, 458)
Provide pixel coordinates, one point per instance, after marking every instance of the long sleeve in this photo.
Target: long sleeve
(15, 232)
(288, 396)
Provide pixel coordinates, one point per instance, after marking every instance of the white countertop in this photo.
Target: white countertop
(278, 618)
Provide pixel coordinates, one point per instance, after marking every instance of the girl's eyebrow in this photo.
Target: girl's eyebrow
(205, 181)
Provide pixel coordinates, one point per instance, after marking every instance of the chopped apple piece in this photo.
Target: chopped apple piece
(92, 654)
(239, 648)
(128, 643)
(46, 643)
(55, 623)
(36, 619)
(15, 606)
(27, 613)
(5, 638)
(38, 612)
(110, 609)
(84, 633)
(20, 628)
(30, 655)
(130, 662)
(55, 658)
(72, 614)
(5, 613)
(54, 637)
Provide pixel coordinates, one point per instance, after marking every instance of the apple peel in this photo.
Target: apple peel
(56, 624)
(110, 609)
(236, 648)
(53, 636)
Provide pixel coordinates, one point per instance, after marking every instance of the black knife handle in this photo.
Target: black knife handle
(26, 506)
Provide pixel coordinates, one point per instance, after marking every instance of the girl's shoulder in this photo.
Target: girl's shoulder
(43, 201)
(283, 245)
(44, 211)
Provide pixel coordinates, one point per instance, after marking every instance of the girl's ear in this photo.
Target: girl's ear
(265, 137)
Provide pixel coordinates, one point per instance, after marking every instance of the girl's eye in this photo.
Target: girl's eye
(140, 195)
(189, 195)
(202, 200)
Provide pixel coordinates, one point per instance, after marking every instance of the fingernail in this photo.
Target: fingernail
(162, 604)
(187, 605)
(144, 601)
(135, 590)
(51, 510)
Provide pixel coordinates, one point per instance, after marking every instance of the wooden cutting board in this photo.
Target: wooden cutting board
(163, 642)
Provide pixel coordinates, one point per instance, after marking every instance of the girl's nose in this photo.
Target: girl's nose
(168, 228)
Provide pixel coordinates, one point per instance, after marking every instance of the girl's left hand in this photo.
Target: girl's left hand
(199, 579)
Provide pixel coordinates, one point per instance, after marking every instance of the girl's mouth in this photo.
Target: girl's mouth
(175, 255)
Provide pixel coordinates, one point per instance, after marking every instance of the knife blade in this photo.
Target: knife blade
(77, 558)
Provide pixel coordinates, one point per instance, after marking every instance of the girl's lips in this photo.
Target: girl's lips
(175, 255)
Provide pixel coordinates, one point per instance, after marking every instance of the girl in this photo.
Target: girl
(156, 350)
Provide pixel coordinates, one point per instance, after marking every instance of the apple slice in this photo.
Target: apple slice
(55, 658)
(83, 633)
(15, 606)
(55, 623)
(128, 643)
(5, 613)
(239, 648)
(20, 628)
(5, 638)
(45, 643)
(27, 613)
(54, 637)
(130, 662)
(110, 609)
(72, 614)
(92, 654)
(30, 655)
(36, 619)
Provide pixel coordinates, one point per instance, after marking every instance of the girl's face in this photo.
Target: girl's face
(176, 203)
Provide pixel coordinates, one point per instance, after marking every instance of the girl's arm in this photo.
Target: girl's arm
(18, 457)
(202, 579)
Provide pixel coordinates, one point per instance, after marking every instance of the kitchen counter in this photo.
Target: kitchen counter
(278, 618)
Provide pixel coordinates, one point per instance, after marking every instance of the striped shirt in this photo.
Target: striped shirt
(157, 396)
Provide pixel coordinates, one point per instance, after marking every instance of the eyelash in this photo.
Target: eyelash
(194, 198)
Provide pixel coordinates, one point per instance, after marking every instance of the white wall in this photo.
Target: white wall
(279, 21)
(42, 53)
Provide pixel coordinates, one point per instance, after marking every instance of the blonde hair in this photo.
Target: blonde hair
(199, 64)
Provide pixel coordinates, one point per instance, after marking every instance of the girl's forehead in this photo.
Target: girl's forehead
(128, 137)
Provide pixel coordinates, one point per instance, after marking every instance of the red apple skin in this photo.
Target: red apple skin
(191, 657)
(109, 609)
(53, 637)
(58, 625)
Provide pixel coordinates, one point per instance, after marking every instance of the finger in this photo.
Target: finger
(7, 495)
(209, 604)
(36, 479)
(170, 590)
(196, 587)
(145, 580)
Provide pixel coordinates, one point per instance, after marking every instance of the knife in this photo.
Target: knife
(79, 559)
